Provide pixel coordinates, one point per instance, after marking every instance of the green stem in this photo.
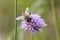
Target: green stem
(55, 18)
(15, 19)
(32, 36)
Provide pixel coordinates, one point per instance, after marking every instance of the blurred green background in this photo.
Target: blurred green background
(10, 28)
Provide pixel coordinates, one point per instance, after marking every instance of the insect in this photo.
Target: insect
(36, 28)
(28, 18)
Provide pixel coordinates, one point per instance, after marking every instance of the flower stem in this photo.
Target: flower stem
(32, 37)
(55, 18)
(15, 10)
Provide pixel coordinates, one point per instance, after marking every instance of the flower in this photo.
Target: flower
(31, 22)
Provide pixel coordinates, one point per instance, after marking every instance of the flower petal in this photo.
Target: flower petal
(40, 29)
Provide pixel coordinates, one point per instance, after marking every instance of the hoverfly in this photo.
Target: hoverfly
(28, 18)
(26, 14)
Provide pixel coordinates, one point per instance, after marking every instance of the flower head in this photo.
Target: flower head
(31, 22)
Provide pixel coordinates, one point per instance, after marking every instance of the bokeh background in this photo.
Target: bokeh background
(10, 28)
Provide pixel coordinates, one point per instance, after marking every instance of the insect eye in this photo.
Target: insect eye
(29, 19)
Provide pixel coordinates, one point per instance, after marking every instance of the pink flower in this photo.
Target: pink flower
(31, 22)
